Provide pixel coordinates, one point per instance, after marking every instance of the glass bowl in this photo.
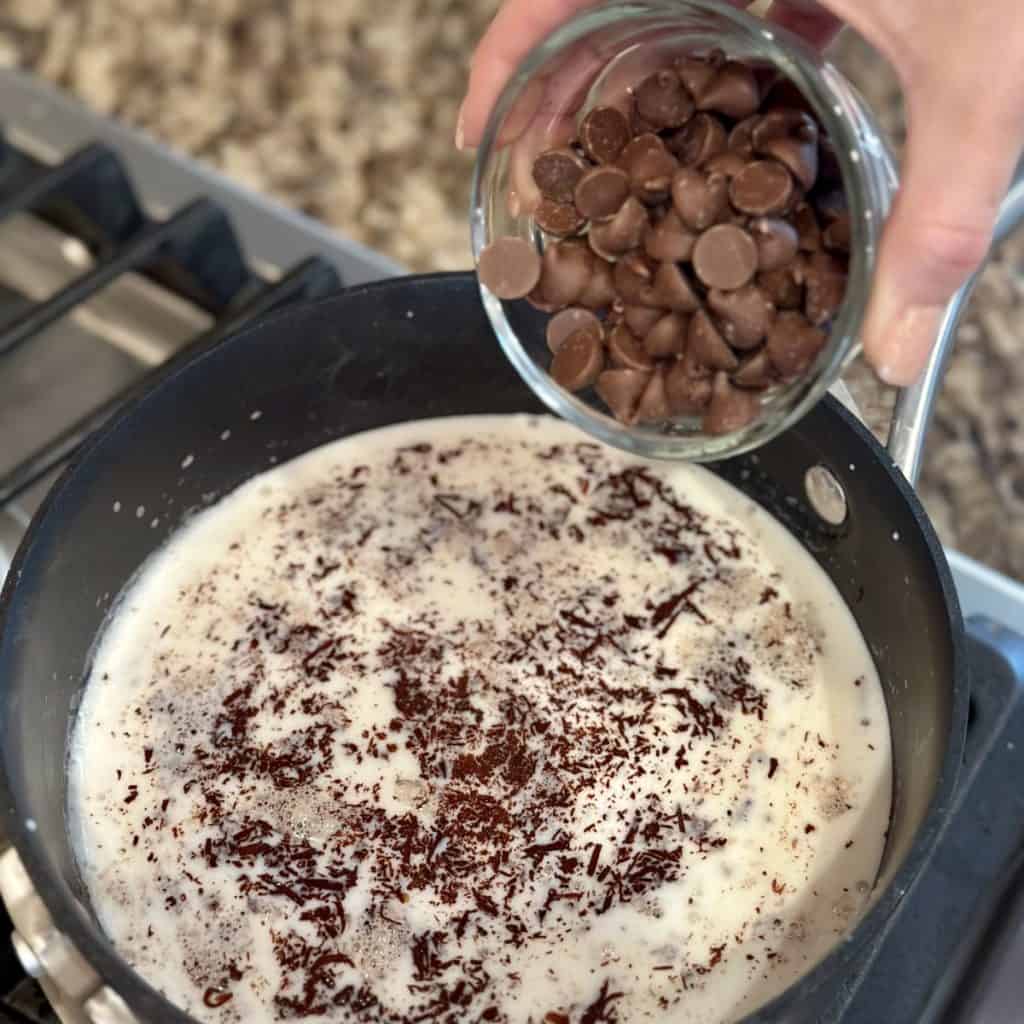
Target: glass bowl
(593, 60)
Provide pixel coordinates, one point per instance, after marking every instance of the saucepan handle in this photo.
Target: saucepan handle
(915, 404)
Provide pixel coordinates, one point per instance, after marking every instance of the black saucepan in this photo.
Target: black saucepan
(408, 349)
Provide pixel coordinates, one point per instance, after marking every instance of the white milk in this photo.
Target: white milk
(472, 720)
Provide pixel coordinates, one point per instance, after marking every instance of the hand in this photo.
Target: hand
(958, 64)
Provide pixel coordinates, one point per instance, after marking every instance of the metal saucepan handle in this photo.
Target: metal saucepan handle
(915, 405)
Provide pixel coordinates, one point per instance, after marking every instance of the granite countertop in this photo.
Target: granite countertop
(346, 110)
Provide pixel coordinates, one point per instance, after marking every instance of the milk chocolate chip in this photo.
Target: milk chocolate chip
(624, 231)
(791, 137)
(654, 405)
(762, 187)
(600, 290)
(667, 336)
(745, 315)
(777, 242)
(793, 344)
(565, 273)
(601, 191)
(672, 290)
(556, 173)
(700, 139)
(732, 91)
(668, 239)
(755, 371)
(700, 198)
(621, 391)
(578, 361)
(640, 319)
(741, 137)
(696, 71)
(626, 351)
(688, 386)
(604, 134)
(663, 101)
(782, 287)
(509, 267)
(570, 320)
(727, 164)
(633, 278)
(558, 219)
(707, 346)
(725, 257)
(730, 408)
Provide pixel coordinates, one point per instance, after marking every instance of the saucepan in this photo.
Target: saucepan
(405, 349)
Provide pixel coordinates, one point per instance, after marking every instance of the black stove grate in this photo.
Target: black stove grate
(193, 253)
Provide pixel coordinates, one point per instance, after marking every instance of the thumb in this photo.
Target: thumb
(958, 166)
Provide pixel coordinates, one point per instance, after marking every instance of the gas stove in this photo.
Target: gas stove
(116, 254)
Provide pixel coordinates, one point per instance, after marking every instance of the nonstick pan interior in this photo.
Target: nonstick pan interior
(414, 348)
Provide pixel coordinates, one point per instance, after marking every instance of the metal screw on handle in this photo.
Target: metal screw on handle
(915, 405)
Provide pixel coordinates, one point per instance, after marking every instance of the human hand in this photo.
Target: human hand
(958, 66)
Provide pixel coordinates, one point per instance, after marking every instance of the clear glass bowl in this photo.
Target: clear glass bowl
(591, 60)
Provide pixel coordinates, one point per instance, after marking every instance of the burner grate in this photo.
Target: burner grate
(194, 254)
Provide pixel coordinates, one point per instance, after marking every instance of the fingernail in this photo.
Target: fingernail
(906, 342)
(460, 129)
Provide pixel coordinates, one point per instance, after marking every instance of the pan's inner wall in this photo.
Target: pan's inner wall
(411, 349)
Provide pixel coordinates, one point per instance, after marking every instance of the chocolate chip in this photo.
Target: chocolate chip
(667, 336)
(578, 361)
(566, 271)
(700, 139)
(601, 192)
(687, 386)
(558, 219)
(741, 137)
(556, 173)
(604, 133)
(663, 101)
(777, 242)
(600, 290)
(807, 228)
(641, 146)
(791, 137)
(793, 344)
(623, 232)
(633, 278)
(568, 322)
(762, 187)
(707, 346)
(836, 237)
(755, 371)
(672, 290)
(730, 408)
(668, 239)
(621, 391)
(700, 199)
(745, 315)
(732, 91)
(654, 405)
(509, 267)
(625, 350)
(782, 287)
(725, 257)
(640, 319)
(696, 71)
(651, 174)
(726, 164)
(824, 287)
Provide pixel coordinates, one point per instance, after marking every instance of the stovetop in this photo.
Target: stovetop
(116, 254)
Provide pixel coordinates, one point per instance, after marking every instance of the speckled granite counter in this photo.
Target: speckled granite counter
(346, 109)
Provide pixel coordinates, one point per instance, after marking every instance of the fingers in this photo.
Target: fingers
(517, 28)
(806, 18)
(940, 227)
